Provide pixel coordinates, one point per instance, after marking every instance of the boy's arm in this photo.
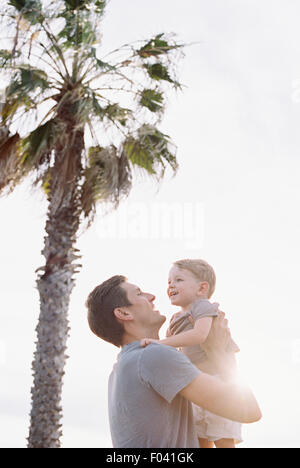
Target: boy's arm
(192, 337)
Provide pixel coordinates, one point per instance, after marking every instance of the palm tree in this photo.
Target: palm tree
(78, 125)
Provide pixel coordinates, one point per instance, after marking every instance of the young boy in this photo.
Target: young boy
(191, 284)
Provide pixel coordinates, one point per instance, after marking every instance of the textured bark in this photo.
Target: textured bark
(55, 285)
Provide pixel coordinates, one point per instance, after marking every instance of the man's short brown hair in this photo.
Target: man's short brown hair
(101, 303)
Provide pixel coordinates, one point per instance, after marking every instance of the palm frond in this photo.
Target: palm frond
(25, 82)
(107, 178)
(31, 10)
(75, 4)
(40, 142)
(159, 72)
(79, 30)
(13, 104)
(29, 79)
(9, 159)
(31, 154)
(152, 99)
(116, 113)
(100, 63)
(55, 48)
(159, 45)
(98, 5)
(87, 106)
(6, 58)
(150, 151)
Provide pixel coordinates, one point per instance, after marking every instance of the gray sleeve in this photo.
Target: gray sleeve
(204, 308)
(166, 370)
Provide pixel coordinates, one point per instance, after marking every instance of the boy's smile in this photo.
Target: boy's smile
(183, 287)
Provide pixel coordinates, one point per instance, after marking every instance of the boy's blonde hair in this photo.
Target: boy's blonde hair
(201, 270)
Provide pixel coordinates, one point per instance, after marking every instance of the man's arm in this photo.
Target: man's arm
(225, 399)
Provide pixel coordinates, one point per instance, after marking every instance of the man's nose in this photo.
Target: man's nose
(151, 297)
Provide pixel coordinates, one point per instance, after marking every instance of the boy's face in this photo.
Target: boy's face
(183, 287)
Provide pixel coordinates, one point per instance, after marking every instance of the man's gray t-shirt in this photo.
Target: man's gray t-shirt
(144, 403)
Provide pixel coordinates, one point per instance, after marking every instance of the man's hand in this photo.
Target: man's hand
(216, 346)
(219, 335)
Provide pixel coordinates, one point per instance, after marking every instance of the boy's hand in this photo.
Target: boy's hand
(146, 341)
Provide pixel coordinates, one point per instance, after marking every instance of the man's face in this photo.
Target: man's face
(142, 306)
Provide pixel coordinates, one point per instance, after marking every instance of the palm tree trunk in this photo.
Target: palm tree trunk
(55, 287)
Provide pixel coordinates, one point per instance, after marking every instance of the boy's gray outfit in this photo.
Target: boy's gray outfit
(181, 323)
(144, 401)
(209, 426)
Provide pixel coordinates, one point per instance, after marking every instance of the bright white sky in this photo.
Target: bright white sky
(235, 202)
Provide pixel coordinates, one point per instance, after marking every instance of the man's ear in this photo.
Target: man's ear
(122, 314)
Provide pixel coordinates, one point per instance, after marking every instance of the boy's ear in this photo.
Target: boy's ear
(122, 314)
(204, 287)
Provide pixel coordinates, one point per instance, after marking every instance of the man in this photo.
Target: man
(151, 389)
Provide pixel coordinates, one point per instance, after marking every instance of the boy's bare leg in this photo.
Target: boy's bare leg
(205, 443)
(225, 443)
